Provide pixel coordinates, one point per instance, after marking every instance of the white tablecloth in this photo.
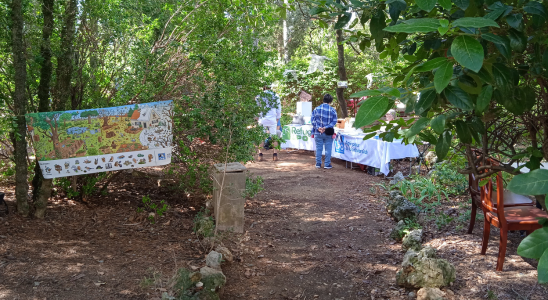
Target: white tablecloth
(351, 147)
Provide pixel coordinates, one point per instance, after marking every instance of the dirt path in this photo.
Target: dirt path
(323, 234)
(312, 233)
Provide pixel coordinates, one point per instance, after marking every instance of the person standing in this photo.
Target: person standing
(324, 118)
(269, 120)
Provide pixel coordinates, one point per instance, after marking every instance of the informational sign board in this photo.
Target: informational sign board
(78, 142)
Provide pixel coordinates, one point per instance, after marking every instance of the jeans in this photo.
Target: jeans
(321, 141)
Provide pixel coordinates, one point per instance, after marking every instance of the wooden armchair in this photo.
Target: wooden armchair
(510, 199)
(524, 217)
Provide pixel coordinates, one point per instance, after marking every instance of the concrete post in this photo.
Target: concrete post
(228, 196)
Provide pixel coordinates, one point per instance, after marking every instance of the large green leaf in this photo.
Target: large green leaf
(458, 97)
(390, 91)
(532, 183)
(462, 4)
(377, 24)
(426, 4)
(477, 22)
(534, 245)
(438, 124)
(542, 268)
(535, 8)
(443, 76)
(443, 145)
(463, 132)
(484, 98)
(431, 64)
(371, 110)
(515, 21)
(468, 52)
(395, 7)
(365, 93)
(501, 42)
(317, 10)
(446, 4)
(518, 40)
(425, 101)
(417, 127)
(343, 20)
(415, 25)
(503, 78)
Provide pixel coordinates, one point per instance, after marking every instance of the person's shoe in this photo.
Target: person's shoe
(275, 157)
(328, 166)
(318, 166)
(260, 157)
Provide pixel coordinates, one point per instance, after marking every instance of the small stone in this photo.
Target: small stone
(431, 294)
(423, 269)
(411, 295)
(413, 240)
(227, 255)
(213, 260)
(199, 284)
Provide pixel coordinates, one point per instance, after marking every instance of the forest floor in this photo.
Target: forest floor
(311, 234)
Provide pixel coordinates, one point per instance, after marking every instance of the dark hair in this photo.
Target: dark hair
(327, 98)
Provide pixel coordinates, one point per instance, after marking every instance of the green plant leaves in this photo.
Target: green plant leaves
(365, 93)
(463, 132)
(426, 4)
(425, 101)
(501, 42)
(542, 267)
(458, 97)
(446, 4)
(515, 21)
(532, 183)
(518, 40)
(377, 24)
(371, 110)
(443, 76)
(443, 145)
(438, 124)
(343, 20)
(468, 52)
(415, 25)
(317, 10)
(477, 22)
(462, 4)
(395, 7)
(535, 8)
(534, 245)
(431, 64)
(417, 127)
(484, 98)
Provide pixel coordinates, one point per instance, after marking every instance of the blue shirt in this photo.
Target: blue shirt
(323, 116)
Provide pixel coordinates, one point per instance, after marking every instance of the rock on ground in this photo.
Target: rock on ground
(422, 269)
(227, 255)
(394, 202)
(407, 210)
(213, 260)
(397, 231)
(213, 279)
(427, 293)
(413, 240)
(397, 178)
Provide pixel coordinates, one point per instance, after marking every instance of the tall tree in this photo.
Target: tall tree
(65, 59)
(19, 100)
(342, 72)
(41, 186)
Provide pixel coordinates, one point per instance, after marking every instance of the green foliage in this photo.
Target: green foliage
(535, 246)
(409, 225)
(253, 186)
(204, 225)
(149, 206)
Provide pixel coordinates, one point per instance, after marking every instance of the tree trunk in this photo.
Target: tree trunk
(342, 73)
(41, 186)
(89, 119)
(19, 100)
(65, 60)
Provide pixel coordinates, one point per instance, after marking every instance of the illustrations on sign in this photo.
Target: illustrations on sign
(79, 142)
